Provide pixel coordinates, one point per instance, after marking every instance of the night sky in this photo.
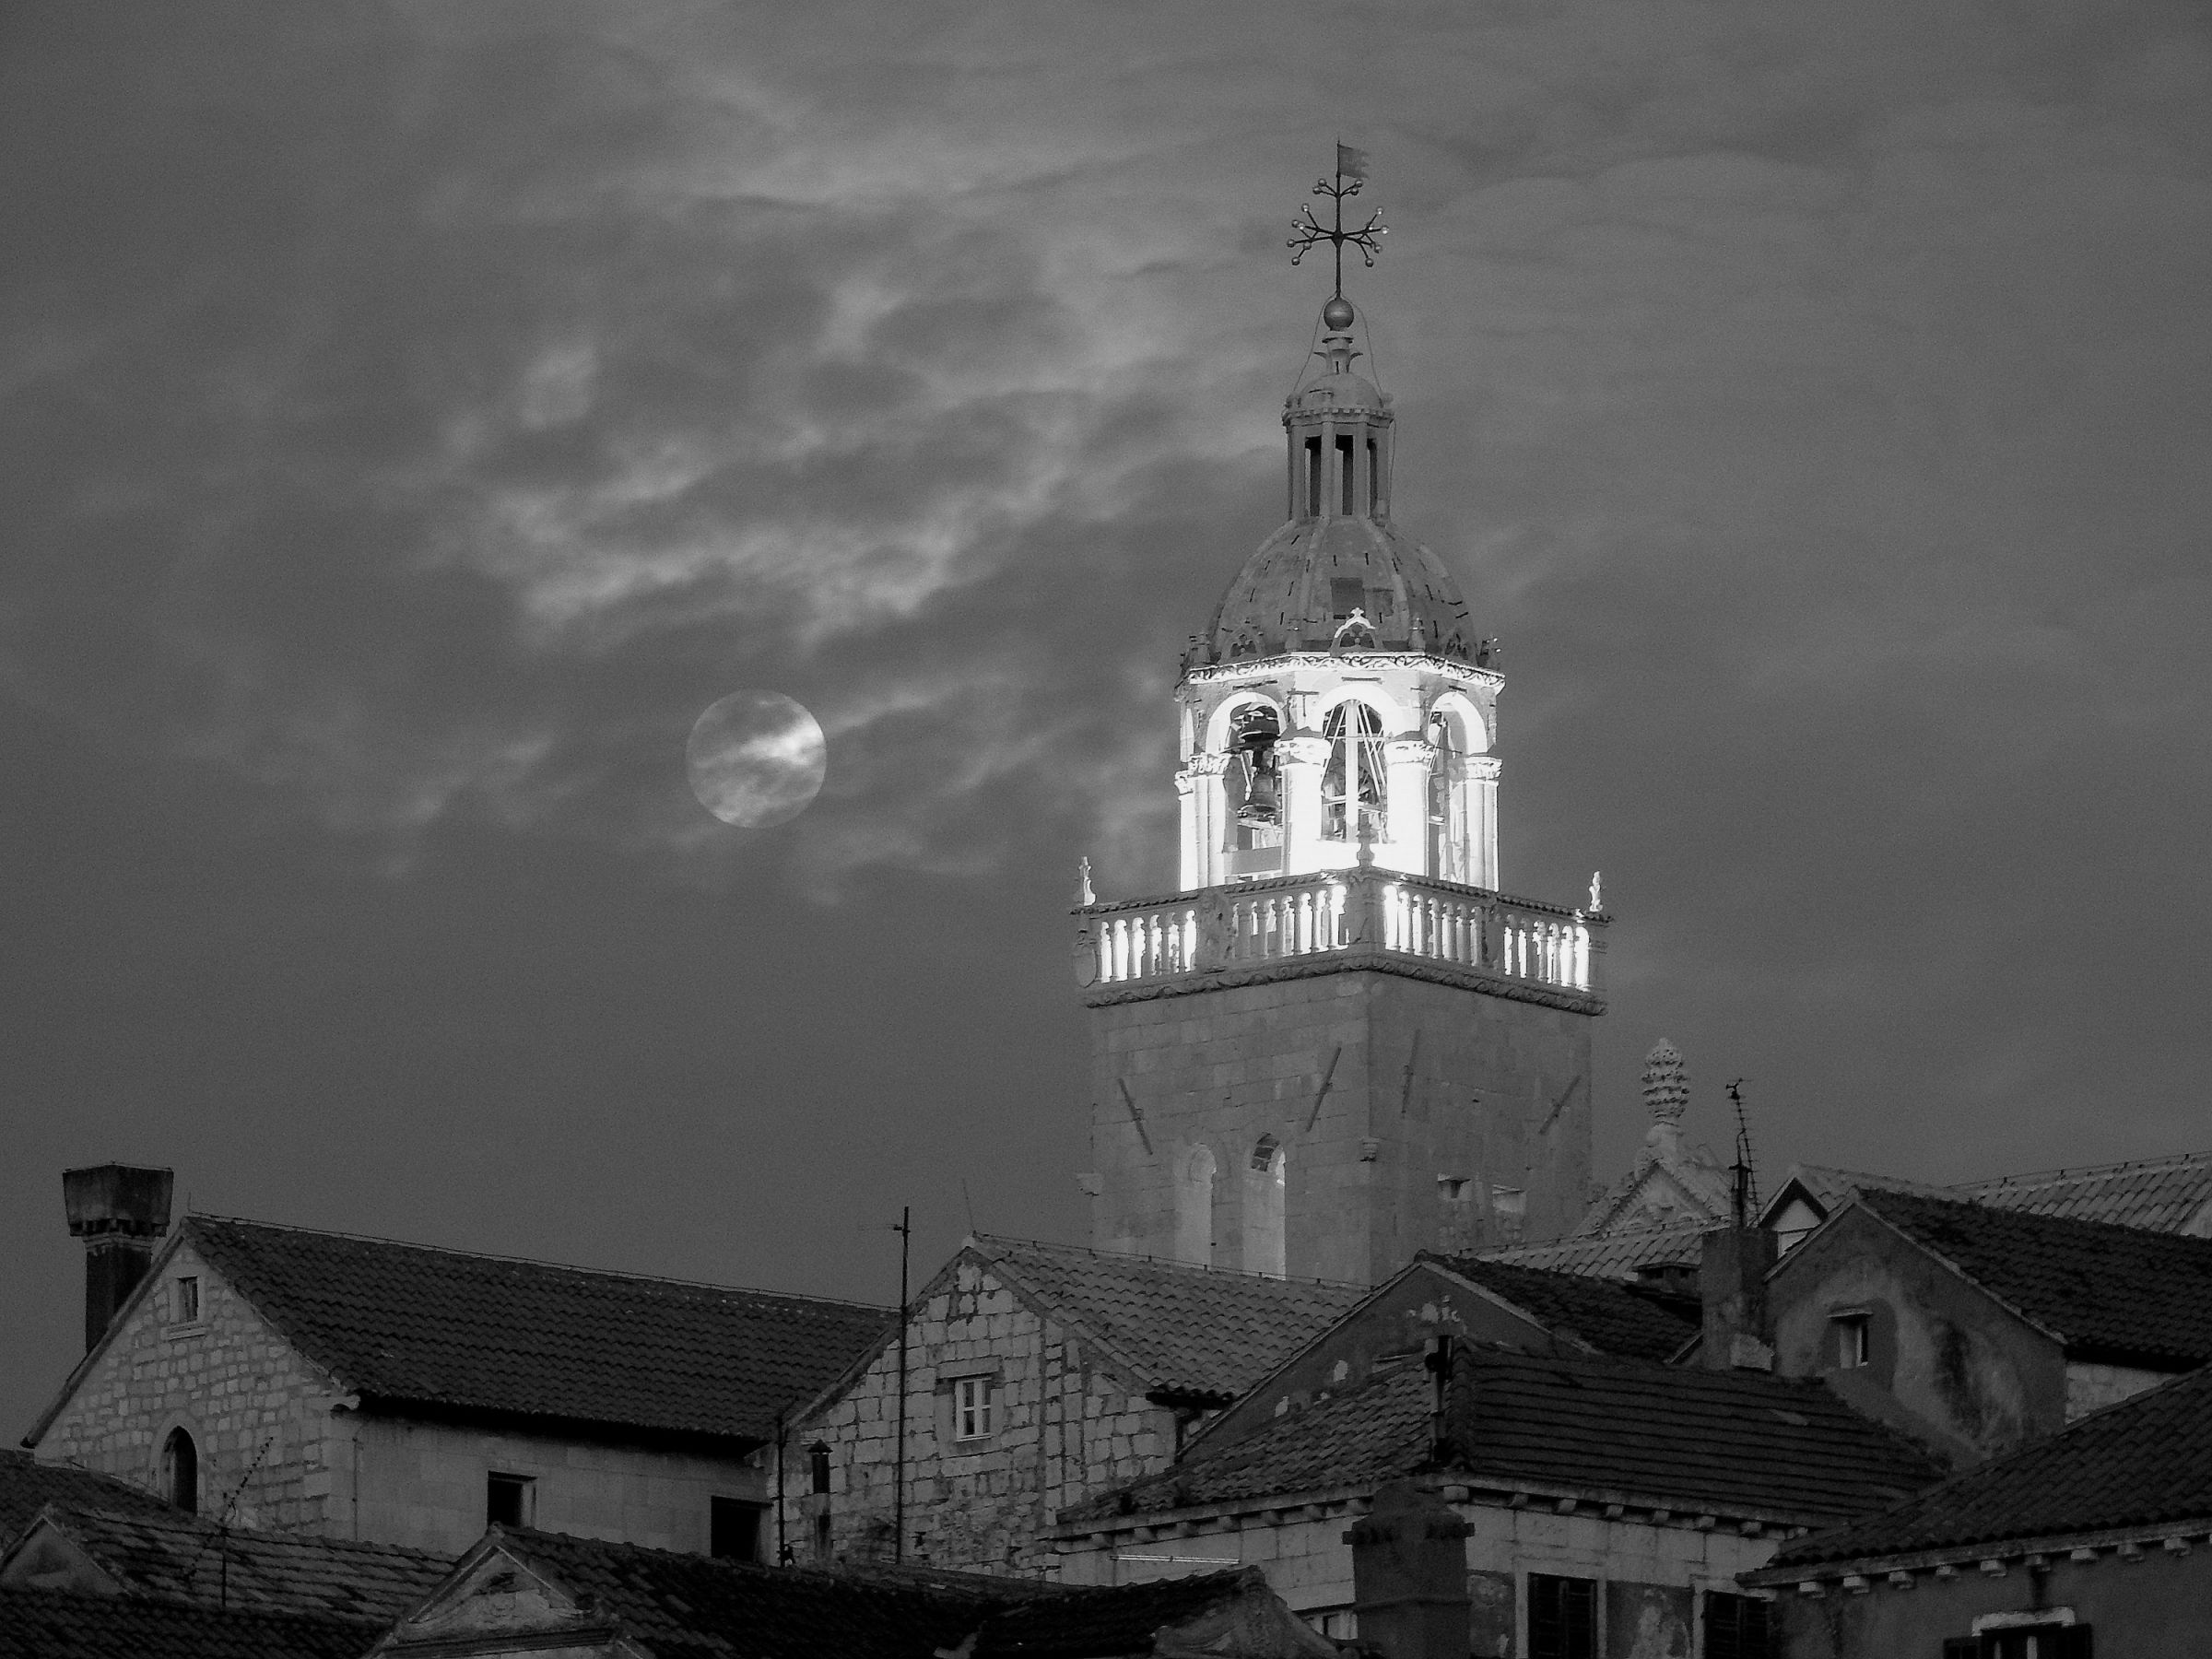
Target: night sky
(413, 417)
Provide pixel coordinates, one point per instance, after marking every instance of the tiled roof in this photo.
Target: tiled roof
(1740, 1443)
(681, 1605)
(1605, 1314)
(1178, 1327)
(2100, 1289)
(1094, 1623)
(27, 1486)
(408, 1325)
(180, 1557)
(48, 1624)
(2162, 1193)
(2146, 1461)
(1611, 1256)
(673, 1603)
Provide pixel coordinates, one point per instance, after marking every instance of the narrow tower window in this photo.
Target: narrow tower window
(1312, 477)
(1264, 1243)
(1346, 478)
(1374, 480)
(817, 1467)
(181, 1471)
(1195, 1210)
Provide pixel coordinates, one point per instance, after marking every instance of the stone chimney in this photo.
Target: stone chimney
(120, 1213)
(1732, 1283)
(1409, 1575)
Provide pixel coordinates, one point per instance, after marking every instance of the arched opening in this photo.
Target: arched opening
(1263, 1244)
(1195, 1210)
(1252, 785)
(181, 1471)
(1353, 782)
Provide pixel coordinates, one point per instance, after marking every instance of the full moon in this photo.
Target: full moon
(756, 758)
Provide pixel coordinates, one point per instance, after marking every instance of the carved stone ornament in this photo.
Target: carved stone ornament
(1665, 1083)
(1084, 957)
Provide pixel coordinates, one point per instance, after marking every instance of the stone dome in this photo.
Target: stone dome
(1296, 590)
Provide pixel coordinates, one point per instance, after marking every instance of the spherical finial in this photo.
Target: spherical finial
(1337, 313)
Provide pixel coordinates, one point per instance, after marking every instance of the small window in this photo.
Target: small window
(2027, 1642)
(1854, 1344)
(1562, 1617)
(818, 1466)
(733, 1529)
(181, 1471)
(971, 1405)
(184, 1300)
(821, 1536)
(508, 1499)
(1374, 496)
(1346, 474)
(1738, 1627)
(1312, 477)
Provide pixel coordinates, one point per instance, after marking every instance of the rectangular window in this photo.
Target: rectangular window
(1562, 1617)
(184, 1305)
(971, 1408)
(1738, 1627)
(817, 1467)
(1346, 474)
(1345, 595)
(821, 1536)
(508, 1499)
(1854, 1340)
(1312, 477)
(1374, 481)
(733, 1529)
(2032, 1642)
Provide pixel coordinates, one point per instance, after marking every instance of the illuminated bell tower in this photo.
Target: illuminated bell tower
(1338, 1043)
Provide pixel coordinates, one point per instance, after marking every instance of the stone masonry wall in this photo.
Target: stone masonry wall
(1064, 1426)
(248, 1400)
(423, 1484)
(1453, 1119)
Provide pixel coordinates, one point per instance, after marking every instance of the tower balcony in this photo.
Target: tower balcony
(1342, 921)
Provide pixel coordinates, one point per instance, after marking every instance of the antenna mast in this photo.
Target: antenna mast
(1747, 1181)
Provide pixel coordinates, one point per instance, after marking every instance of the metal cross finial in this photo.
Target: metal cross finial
(1309, 232)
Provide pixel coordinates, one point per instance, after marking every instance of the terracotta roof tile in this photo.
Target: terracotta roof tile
(2146, 1461)
(48, 1624)
(1605, 1313)
(409, 1325)
(27, 1486)
(1611, 1256)
(1740, 1443)
(1179, 1327)
(2162, 1193)
(2101, 1288)
(180, 1558)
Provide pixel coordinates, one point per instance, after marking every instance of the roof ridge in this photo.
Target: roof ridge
(2079, 1171)
(488, 1255)
(199, 1526)
(1989, 1214)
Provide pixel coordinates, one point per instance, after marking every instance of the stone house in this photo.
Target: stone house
(297, 1380)
(1976, 1328)
(2101, 1533)
(1036, 1375)
(1608, 1504)
(524, 1591)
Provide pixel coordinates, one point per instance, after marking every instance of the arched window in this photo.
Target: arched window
(1195, 1210)
(181, 1471)
(1264, 1246)
(1352, 784)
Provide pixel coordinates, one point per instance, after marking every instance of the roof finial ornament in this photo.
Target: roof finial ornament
(1308, 232)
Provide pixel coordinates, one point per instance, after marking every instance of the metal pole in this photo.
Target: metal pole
(906, 1233)
(783, 1549)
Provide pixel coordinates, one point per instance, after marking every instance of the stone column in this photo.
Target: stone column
(1482, 820)
(1409, 761)
(1205, 810)
(1298, 760)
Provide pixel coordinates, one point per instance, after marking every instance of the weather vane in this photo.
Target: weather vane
(1310, 232)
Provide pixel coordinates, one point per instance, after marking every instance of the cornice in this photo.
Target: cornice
(1319, 964)
(1284, 663)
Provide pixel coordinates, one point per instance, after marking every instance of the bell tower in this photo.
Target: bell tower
(1338, 1042)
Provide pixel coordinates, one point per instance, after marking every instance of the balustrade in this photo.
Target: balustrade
(1270, 919)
